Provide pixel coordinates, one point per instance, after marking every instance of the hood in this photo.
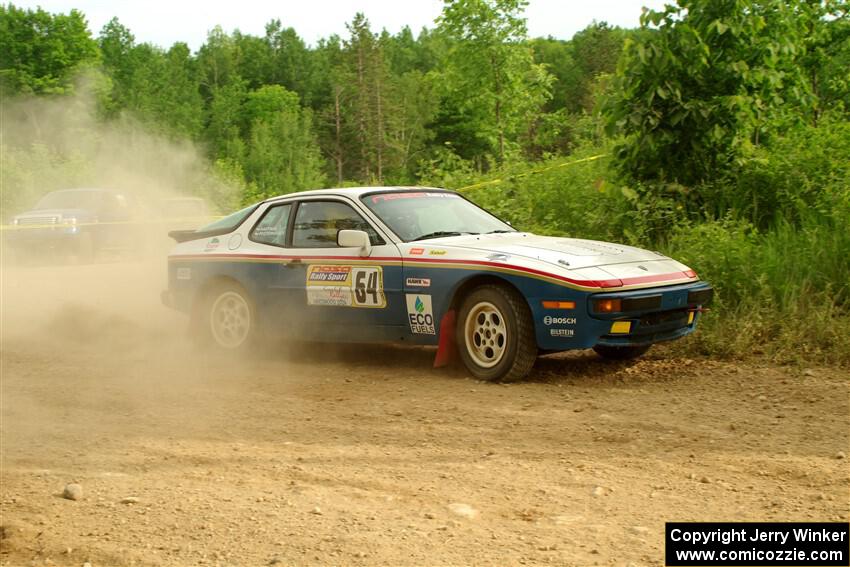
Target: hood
(566, 253)
(603, 263)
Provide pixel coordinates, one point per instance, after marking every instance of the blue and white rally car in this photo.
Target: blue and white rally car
(424, 266)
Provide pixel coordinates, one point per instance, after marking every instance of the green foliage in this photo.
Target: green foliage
(806, 170)
(282, 155)
(492, 89)
(42, 52)
(696, 89)
(728, 140)
(31, 171)
(158, 87)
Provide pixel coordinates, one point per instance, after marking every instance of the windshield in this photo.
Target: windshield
(89, 200)
(419, 215)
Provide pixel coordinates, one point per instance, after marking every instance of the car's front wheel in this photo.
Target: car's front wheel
(495, 334)
(228, 319)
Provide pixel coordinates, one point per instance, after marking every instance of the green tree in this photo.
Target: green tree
(493, 90)
(697, 87)
(282, 154)
(159, 87)
(42, 52)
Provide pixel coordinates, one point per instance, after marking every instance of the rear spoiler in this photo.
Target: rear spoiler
(186, 235)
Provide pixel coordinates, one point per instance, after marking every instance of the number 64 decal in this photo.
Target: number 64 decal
(369, 287)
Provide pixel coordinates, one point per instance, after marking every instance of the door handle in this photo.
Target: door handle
(293, 263)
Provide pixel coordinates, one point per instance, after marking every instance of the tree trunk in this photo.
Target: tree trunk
(379, 140)
(362, 97)
(338, 134)
(497, 90)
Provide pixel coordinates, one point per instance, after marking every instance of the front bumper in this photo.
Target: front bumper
(653, 316)
(646, 316)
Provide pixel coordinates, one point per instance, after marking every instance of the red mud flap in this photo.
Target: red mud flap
(446, 344)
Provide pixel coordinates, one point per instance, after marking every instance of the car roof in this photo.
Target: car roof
(355, 192)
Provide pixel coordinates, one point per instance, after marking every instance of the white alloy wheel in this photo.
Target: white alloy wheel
(230, 319)
(486, 334)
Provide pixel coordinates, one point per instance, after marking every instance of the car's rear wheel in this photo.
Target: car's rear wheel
(620, 352)
(495, 334)
(228, 319)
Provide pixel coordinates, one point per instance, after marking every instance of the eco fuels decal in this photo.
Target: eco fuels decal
(420, 314)
(346, 286)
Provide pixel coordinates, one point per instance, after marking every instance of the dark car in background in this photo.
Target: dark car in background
(83, 224)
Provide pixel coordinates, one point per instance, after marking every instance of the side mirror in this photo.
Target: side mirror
(354, 239)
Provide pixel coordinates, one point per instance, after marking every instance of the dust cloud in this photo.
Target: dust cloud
(66, 317)
(63, 142)
(47, 144)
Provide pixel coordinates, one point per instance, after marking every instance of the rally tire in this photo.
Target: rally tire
(621, 352)
(225, 319)
(495, 334)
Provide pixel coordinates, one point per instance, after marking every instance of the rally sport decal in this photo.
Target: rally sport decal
(346, 286)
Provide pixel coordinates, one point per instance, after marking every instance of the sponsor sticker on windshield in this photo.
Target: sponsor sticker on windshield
(382, 197)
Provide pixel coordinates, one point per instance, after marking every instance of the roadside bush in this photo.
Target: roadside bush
(781, 278)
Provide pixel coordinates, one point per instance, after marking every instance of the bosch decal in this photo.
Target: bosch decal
(420, 314)
(212, 244)
(549, 320)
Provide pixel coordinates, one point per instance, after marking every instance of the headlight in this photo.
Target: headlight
(606, 305)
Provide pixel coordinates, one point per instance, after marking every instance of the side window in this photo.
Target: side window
(317, 224)
(272, 227)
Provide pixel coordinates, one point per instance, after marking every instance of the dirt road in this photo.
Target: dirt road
(367, 456)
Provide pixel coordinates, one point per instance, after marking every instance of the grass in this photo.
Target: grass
(783, 288)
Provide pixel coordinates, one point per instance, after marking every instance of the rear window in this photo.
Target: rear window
(228, 223)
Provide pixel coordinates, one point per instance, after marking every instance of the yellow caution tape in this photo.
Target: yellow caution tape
(533, 172)
(7, 227)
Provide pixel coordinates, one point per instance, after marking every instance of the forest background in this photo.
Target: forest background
(717, 132)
